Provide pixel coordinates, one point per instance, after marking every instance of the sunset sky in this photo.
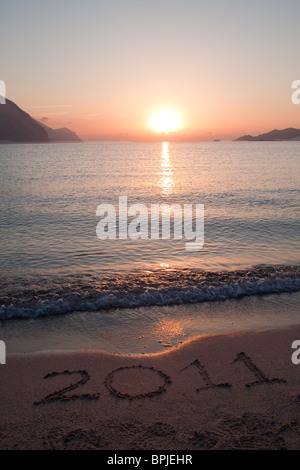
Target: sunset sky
(102, 68)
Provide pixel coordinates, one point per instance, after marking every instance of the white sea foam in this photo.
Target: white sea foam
(160, 287)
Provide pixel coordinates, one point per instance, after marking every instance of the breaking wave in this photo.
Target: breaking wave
(49, 296)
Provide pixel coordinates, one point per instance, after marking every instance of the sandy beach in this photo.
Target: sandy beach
(234, 391)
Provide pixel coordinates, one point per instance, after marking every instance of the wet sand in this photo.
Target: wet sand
(233, 391)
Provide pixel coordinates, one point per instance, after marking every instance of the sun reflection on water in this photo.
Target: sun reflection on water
(166, 330)
(166, 176)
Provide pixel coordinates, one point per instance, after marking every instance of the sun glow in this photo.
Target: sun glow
(165, 120)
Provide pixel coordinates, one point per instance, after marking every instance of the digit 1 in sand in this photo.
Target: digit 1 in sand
(261, 377)
(205, 376)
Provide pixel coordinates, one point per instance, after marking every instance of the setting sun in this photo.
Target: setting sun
(165, 120)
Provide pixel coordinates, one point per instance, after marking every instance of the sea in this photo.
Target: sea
(65, 288)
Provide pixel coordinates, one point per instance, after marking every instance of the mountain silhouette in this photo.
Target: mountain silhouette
(60, 135)
(18, 126)
(285, 134)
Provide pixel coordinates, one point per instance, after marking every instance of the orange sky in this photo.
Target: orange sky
(103, 68)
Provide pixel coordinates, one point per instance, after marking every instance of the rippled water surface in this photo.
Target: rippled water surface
(52, 261)
(49, 196)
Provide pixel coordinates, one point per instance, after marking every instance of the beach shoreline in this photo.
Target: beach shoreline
(228, 391)
(149, 329)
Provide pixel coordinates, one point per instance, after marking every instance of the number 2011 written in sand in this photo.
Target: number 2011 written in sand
(162, 381)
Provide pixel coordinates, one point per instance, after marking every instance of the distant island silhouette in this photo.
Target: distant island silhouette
(18, 126)
(285, 134)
